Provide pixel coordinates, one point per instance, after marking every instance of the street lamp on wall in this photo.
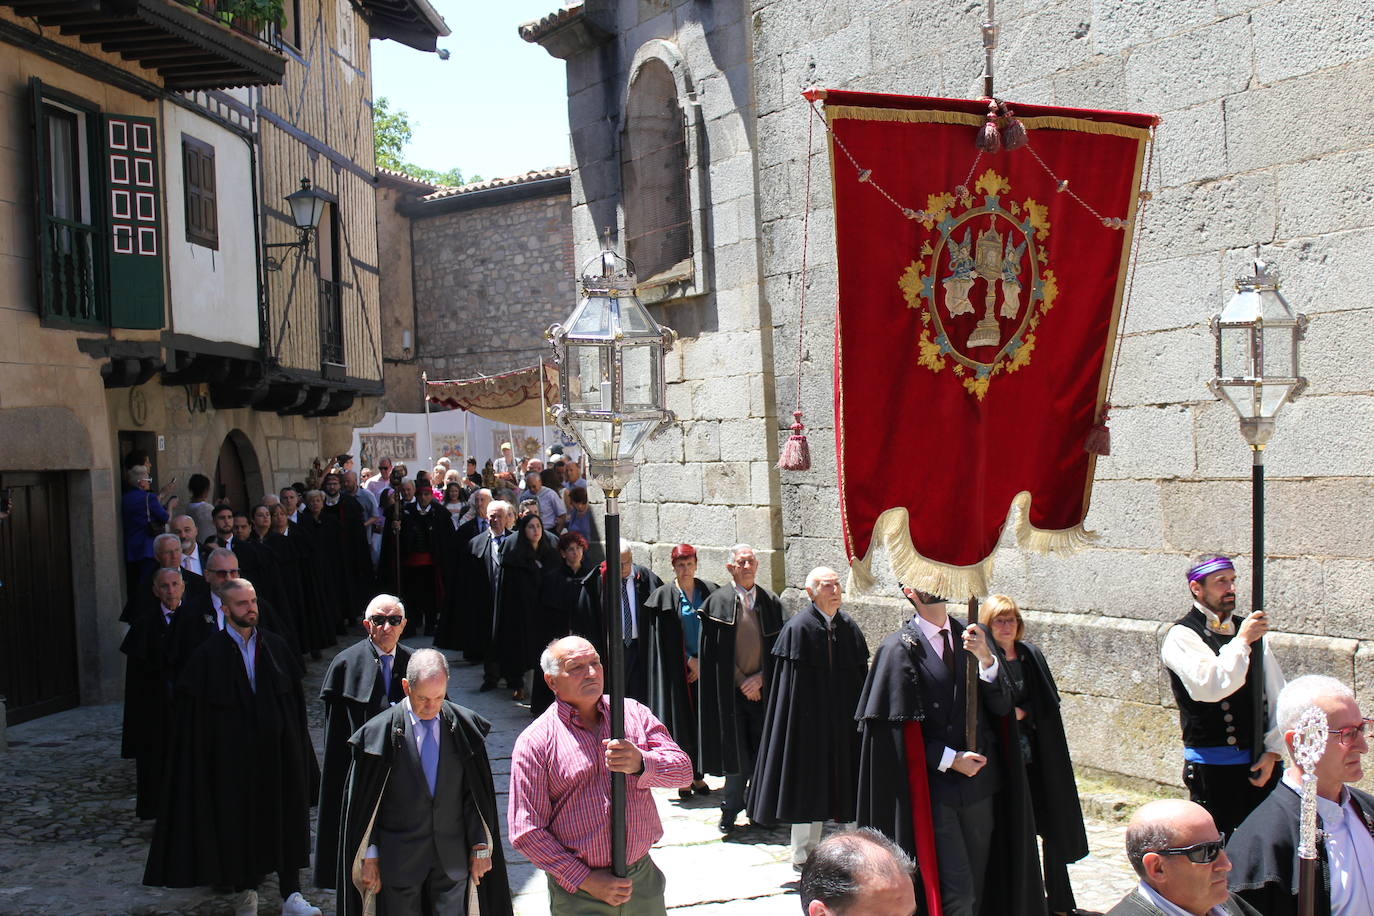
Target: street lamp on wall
(307, 208)
(611, 395)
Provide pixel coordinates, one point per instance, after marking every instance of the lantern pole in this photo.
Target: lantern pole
(615, 672)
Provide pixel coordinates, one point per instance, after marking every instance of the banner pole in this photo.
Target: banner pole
(429, 437)
(971, 686)
(543, 414)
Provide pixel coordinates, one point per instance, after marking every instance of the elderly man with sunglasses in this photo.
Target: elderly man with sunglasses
(362, 681)
(1264, 849)
(1175, 848)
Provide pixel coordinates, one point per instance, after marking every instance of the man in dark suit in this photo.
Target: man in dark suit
(167, 555)
(484, 583)
(912, 715)
(420, 818)
(739, 624)
(638, 622)
(1175, 848)
(362, 681)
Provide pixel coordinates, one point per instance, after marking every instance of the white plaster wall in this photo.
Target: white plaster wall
(214, 293)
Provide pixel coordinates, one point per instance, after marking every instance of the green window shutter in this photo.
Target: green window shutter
(42, 243)
(133, 205)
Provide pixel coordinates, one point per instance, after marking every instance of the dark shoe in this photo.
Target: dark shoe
(727, 821)
(486, 685)
(702, 789)
(684, 794)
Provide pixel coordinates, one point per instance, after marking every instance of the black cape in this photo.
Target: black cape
(241, 774)
(721, 731)
(352, 694)
(672, 699)
(818, 674)
(1264, 854)
(373, 748)
(890, 701)
(591, 623)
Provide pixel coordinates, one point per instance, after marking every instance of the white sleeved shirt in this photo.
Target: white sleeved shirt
(1211, 678)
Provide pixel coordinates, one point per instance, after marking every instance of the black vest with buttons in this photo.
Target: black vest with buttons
(1224, 724)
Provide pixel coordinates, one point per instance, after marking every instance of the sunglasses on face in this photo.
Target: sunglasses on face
(394, 620)
(1198, 853)
(1346, 736)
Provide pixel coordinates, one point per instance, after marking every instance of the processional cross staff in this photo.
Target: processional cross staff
(1309, 743)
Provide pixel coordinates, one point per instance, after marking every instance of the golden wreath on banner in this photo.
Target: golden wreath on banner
(984, 255)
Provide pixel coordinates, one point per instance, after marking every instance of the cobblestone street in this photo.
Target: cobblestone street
(69, 843)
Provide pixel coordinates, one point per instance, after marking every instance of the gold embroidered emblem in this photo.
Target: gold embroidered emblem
(982, 282)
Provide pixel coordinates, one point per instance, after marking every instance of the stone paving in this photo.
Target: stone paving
(69, 842)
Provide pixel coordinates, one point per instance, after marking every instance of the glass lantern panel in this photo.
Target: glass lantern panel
(1272, 397)
(1234, 352)
(589, 371)
(639, 375)
(1278, 351)
(592, 318)
(635, 320)
(597, 438)
(633, 435)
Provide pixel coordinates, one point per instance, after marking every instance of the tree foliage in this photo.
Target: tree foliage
(392, 130)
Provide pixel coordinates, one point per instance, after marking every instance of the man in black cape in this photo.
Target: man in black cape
(453, 619)
(385, 766)
(150, 680)
(425, 537)
(355, 556)
(739, 623)
(166, 555)
(1264, 850)
(919, 784)
(806, 772)
(362, 681)
(241, 773)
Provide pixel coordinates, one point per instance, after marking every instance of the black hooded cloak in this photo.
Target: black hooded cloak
(721, 751)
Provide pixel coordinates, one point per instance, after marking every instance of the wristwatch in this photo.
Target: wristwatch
(481, 852)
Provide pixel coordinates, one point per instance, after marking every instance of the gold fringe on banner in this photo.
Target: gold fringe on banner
(927, 116)
(892, 531)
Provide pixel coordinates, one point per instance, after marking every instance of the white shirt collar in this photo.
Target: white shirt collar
(1170, 909)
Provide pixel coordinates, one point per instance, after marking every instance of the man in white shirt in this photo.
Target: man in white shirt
(1263, 849)
(1181, 859)
(1225, 693)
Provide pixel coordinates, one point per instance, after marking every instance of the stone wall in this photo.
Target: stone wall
(1260, 153)
(710, 481)
(488, 281)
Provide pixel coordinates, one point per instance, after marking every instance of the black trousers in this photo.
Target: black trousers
(963, 838)
(417, 589)
(1226, 791)
(749, 714)
(438, 895)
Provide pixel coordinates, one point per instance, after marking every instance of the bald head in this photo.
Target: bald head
(184, 527)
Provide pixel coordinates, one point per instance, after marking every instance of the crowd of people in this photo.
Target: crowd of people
(941, 755)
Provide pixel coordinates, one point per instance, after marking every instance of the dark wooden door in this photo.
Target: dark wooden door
(230, 480)
(38, 673)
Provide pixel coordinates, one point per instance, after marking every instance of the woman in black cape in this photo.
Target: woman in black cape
(525, 559)
(323, 531)
(559, 595)
(1037, 731)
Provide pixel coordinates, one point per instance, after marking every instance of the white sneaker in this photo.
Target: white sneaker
(245, 903)
(296, 905)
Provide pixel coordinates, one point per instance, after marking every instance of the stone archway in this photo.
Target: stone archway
(238, 475)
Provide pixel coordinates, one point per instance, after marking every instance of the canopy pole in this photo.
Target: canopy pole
(989, 45)
(543, 413)
(429, 437)
(467, 440)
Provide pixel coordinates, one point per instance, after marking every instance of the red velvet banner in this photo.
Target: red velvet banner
(979, 297)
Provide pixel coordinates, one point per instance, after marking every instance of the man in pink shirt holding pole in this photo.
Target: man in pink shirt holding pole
(560, 804)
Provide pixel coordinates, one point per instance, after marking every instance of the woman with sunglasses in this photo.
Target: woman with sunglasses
(1037, 733)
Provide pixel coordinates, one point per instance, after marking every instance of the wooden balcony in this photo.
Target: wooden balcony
(191, 44)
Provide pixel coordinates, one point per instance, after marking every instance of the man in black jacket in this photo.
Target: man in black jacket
(1175, 848)
(362, 681)
(1264, 850)
(739, 623)
(638, 622)
(241, 774)
(420, 814)
(921, 784)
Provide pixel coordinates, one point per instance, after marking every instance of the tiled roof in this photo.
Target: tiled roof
(561, 171)
(392, 176)
(535, 30)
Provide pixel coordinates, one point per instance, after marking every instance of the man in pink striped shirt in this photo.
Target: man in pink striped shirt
(560, 802)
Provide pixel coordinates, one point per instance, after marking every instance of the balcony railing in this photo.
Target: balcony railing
(70, 263)
(257, 20)
(331, 328)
